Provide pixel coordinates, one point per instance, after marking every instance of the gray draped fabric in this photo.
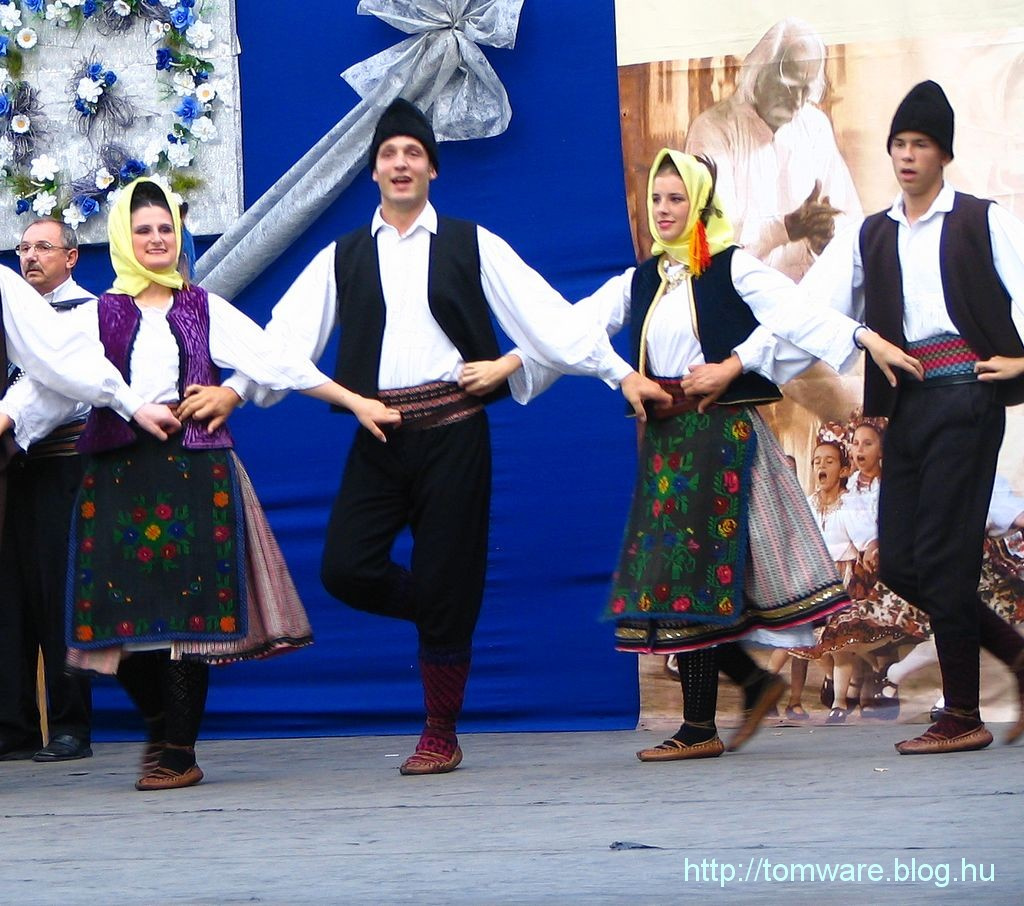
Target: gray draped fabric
(441, 70)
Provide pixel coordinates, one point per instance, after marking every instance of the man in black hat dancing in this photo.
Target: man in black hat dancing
(413, 296)
(941, 274)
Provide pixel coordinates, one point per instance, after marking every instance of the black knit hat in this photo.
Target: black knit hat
(925, 109)
(402, 118)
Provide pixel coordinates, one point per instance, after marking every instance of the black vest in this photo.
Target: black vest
(977, 302)
(724, 321)
(454, 292)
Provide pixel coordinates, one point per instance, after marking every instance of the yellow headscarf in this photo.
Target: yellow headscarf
(692, 248)
(130, 276)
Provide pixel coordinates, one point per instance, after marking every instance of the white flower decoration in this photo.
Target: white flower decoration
(5, 76)
(183, 82)
(58, 13)
(44, 168)
(200, 35)
(152, 153)
(88, 90)
(155, 31)
(203, 129)
(6, 151)
(170, 4)
(179, 154)
(121, 8)
(27, 38)
(10, 17)
(72, 2)
(44, 203)
(205, 93)
(103, 178)
(73, 216)
(20, 123)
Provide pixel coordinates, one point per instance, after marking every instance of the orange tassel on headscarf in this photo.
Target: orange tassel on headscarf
(700, 254)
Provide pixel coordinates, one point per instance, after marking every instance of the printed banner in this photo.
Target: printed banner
(795, 113)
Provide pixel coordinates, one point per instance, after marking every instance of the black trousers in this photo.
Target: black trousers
(939, 463)
(33, 574)
(438, 483)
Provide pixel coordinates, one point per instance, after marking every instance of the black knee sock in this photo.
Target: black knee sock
(185, 684)
(698, 675)
(140, 676)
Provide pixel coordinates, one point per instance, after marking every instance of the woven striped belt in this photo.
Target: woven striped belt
(431, 405)
(680, 401)
(60, 442)
(946, 358)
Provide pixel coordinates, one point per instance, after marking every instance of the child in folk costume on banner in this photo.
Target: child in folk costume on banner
(173, 564)
(720, 541)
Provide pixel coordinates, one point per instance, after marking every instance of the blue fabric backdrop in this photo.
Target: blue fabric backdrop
(552, 185)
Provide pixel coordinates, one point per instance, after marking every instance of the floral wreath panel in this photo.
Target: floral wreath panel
(94, 93)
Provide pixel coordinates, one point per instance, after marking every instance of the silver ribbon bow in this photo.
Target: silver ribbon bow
(441, 70)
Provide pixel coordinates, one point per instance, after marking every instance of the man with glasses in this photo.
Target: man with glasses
(34, 547)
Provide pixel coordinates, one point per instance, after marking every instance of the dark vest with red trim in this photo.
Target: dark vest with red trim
(189, 320)
(454, 293)
(977, 302)
(724, 321)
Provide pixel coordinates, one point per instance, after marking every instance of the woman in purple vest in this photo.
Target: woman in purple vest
(174, 566)
(720, 541)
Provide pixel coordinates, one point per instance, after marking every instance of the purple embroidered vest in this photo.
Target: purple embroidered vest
(189, 320)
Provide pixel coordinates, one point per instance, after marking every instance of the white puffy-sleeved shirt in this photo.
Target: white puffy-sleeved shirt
(847, 528)
(414, 349)
(236, 342)
(34, 419)
(672, 345)
(837, 279)
(52, 349)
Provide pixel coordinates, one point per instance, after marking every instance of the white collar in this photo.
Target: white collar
(942, 204)
(427, 219)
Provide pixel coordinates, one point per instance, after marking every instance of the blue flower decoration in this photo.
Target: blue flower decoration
(89, 8)
(680, 483)
(130, 169)
(94, 71)
(164, 58)
(223, 566)
(5, 105)
(87, 205)
(669, 540)
(82, 107)
(182, 16)
(36, 6)
(201, 76)
(109, 77)
(176, 530)
(188, 110)
(22, 206)
(85, 576)
(4, 41)
(131, 535)
(159, 627)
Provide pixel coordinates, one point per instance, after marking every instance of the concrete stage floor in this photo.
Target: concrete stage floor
(528, 818)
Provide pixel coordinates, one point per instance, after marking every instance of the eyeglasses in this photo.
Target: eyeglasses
(40, 248)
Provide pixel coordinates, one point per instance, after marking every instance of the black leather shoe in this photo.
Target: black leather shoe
(64, 748)
(18, 749)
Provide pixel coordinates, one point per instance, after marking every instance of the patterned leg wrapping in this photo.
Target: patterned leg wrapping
(444, 673)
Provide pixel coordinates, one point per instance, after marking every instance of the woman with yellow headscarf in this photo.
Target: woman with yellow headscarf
(175, 566)
(720, 542)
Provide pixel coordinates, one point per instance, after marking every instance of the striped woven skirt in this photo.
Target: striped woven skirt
(720, 541)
